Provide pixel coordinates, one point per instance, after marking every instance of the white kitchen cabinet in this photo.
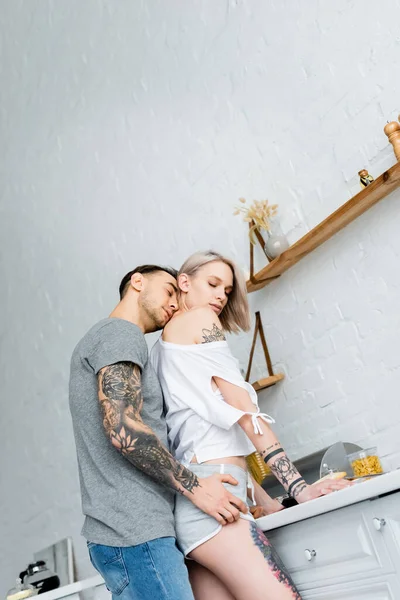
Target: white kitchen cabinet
(387, 589)
(352, 553)
(384, 521)
(331, 548)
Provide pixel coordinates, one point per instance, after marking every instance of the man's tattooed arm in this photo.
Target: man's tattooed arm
(121, 401)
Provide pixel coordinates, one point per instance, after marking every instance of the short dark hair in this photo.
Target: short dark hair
(144, 270)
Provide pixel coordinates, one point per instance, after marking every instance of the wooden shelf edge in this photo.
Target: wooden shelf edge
(345, 214)
(267, 381)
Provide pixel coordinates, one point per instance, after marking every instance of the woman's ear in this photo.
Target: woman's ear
(183, 282)
(137, 281)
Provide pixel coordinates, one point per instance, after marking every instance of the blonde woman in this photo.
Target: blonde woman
(214, 421)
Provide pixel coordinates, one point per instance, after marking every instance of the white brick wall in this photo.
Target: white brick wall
(128, 131)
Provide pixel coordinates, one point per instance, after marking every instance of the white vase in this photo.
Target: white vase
(276, 241)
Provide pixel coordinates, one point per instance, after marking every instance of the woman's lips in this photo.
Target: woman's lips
(216, 308)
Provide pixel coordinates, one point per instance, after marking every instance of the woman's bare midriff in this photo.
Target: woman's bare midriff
(240, 461)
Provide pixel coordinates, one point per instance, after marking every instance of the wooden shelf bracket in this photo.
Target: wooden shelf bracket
(272, 378)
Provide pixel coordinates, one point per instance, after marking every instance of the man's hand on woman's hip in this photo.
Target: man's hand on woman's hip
(215, 500)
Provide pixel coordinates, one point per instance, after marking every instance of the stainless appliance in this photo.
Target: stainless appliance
(40, 577)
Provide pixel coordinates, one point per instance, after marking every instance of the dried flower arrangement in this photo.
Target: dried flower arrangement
(259, 213)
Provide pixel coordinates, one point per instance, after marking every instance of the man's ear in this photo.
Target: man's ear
(183, 282)
(137, 282)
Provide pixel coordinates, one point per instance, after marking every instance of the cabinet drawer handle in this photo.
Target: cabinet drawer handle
(379, 524)
(310, 554)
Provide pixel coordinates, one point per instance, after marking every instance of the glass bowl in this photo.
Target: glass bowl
(365, 462)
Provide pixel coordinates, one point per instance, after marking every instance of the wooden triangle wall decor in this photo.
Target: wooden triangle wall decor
(272, 378)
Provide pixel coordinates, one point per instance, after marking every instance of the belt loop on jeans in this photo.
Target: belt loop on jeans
(222, 468)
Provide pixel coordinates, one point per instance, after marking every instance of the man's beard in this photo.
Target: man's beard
(155, 315)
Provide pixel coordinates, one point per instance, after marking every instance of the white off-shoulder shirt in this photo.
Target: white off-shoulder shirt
(200, 422)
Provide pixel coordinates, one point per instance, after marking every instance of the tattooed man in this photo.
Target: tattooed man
(128, 477)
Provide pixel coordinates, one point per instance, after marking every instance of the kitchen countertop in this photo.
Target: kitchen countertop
(72, 589)
(364, 490)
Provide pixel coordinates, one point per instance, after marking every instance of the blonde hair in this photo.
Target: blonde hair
(235, 315)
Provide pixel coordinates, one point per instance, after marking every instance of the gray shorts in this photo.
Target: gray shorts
(193, 526)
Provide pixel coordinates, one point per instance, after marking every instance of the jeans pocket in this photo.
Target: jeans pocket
(109, 562)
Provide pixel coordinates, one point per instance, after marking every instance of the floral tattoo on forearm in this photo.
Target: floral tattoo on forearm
(121, 401)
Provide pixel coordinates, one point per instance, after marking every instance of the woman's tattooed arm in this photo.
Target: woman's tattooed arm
(120, 397)
(284, 470)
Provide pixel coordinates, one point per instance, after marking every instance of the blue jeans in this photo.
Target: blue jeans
(154, 570)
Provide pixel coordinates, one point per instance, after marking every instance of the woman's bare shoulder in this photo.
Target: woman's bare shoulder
(206, 326)
(195, 326)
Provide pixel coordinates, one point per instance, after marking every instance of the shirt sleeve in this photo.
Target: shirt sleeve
(190, 377)
(117, 341)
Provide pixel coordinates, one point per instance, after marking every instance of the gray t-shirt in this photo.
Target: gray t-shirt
(123, 506)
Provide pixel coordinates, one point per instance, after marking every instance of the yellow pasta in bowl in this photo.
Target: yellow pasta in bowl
(365, 462)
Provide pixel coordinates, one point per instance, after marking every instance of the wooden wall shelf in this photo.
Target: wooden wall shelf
(356, 206)
(261, 384)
